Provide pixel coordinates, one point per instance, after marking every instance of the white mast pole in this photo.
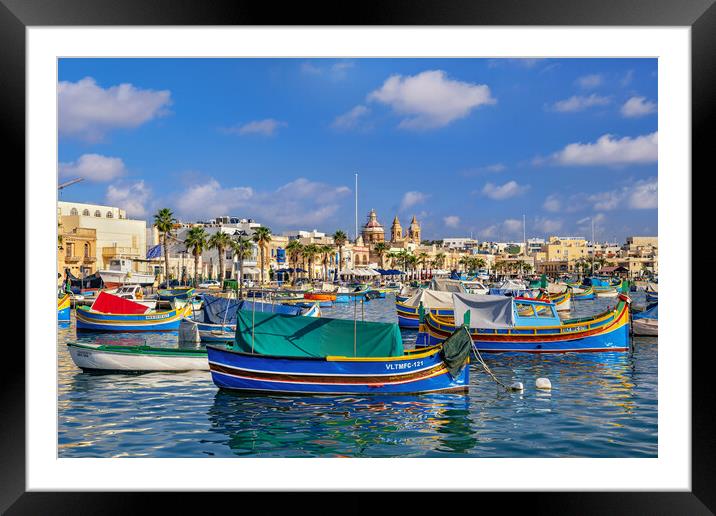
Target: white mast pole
(356, 214)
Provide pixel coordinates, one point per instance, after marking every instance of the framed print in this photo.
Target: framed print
(428, 242)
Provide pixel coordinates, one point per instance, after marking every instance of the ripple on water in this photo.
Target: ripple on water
(601, 405)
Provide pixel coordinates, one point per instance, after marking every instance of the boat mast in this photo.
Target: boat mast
(594, 247)
(355, 236)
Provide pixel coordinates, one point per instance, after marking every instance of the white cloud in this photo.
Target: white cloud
(94, 167)
(579, 103)
(451, 221)
(133, 198)
(552, 203)
(350, 119)
(430, 99)
(590, 81)
(411, 199)
(644, 195)
(512, 226)
(628, 77)
(302, 202)
(336, 71)
(638, 106)
(546, 225)
(265, 127)
(608, 150)
(500, 193)
(606, 201)
(88, 111)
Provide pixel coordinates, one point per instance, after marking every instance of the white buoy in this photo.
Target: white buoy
(543, 383)
(517, 386)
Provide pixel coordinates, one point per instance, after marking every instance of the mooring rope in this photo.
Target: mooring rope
(487, 369)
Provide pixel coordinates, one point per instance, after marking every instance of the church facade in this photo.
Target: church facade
(373, 232)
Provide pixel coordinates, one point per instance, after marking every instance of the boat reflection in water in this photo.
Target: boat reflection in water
(371, 426)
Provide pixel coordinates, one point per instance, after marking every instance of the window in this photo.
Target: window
(73, 211)
(85, 212)
(87, 250)
(109, 214)
(97, 213)
(69, 250)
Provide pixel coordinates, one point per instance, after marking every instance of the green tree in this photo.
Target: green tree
(164, 222)
(262, 236)
(380, 249)
(195, 242)
(220, 241)
(340, 239)
(294, 249)
(243, 249)
(326, 251)
(309, 253)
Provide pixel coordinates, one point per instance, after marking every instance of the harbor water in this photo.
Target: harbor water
(600, 405)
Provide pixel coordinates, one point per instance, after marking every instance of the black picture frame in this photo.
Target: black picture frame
(700, 15)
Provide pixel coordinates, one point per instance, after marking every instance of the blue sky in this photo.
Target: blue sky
(466, 145)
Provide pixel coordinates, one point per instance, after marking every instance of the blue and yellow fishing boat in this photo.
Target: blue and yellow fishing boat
(170, 294)
(583, 293)
(438, 303)
(280, 354)
(505, 324)
(64, 307)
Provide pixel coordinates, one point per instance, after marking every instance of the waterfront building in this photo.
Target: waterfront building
(77, 252)
(460, 244)
(116, 235)
(568, 249)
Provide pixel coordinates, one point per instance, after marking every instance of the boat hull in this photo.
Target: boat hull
(64, 306)
(607, 332)
(409, 316)
(114, 279)
(411, 374)
(136, 359)
(645, 327)
(88, 320)
(181, 293)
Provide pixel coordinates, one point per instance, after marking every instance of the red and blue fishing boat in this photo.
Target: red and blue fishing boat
(280, 354)
(505, 324)
(113, 313)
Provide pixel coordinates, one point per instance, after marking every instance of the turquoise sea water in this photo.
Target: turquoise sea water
(600, 405)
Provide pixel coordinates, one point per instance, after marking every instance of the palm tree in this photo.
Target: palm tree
(380, 249)
(243, 249)
(340, 239)
(439, 260)
(262, 236)
(164, 222)
(195, 241)
(309, 253)
(220, 241)
(294, 250)
(325, 250)
(422, 259)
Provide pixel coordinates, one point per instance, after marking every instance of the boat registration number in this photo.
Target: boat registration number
(405, 365)
(154, 317)
(576, 328)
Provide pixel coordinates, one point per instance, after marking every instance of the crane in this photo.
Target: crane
(71, 182)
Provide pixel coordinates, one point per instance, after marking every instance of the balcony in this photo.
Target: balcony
(89, 259)
(72, 259)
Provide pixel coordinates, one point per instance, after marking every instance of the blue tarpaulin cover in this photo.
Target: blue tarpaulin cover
(651, 313)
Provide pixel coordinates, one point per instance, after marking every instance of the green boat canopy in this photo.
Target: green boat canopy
(316, 337)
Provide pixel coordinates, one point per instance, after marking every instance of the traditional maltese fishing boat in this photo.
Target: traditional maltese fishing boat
(96, 357)
(276, 353)
(582, 293)
(113, 313)
(506, 324)
(175, 293)
(437, 302)
(63, 308)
